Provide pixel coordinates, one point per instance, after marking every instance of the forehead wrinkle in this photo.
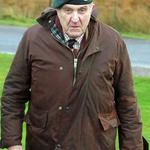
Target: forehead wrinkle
(76, 7)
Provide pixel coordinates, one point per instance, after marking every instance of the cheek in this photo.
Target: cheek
(64, 20)
(85, 20)
(65, 17)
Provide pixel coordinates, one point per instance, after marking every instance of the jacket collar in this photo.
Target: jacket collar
(95, 42)
(47, 20)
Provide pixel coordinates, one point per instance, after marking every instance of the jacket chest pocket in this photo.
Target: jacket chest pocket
(50, 74)
(104, 69)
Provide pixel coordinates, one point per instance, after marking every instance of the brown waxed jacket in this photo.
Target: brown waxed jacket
(63, 115)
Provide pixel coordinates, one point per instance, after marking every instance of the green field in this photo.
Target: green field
(142, 87)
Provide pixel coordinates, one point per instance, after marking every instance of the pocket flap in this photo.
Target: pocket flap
(36, 117)
(109, 120)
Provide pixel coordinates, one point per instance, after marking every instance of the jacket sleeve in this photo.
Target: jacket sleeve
(130, 130)
(16, 92)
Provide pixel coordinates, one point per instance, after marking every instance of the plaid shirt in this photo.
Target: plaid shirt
(64, 38)
(77, 44)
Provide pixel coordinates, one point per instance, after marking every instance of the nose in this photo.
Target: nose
(75, 17)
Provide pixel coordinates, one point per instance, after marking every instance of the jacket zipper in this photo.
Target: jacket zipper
(75, 62)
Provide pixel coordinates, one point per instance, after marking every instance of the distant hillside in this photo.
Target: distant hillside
(124, 15)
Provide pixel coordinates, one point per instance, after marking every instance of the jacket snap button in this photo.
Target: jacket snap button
(61, 68)
(67, 108)
(60, 108)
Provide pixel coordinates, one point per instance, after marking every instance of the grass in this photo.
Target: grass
(5, 61)
(142, 86)
(20, 21)
(136, 35)
(26, 22)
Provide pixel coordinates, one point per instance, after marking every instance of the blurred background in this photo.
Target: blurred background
(124, 15)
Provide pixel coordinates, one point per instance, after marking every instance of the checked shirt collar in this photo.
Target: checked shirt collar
(64, 38)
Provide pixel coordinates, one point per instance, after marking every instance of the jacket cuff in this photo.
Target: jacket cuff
(7, 144)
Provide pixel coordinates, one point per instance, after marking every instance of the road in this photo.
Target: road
(139, 50)
(9, 38)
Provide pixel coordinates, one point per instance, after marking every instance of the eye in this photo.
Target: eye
(82, 10)
(67, 10)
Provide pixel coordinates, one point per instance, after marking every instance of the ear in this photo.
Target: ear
(93, 6)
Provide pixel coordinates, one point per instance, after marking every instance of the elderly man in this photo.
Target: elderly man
(75, 73)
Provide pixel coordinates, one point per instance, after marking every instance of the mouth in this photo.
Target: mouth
(74, 26)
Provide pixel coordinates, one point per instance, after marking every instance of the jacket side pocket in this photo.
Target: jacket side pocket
(109, 120)
(36, 117)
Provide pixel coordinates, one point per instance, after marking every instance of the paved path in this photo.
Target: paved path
(139, 50)
(9, 38)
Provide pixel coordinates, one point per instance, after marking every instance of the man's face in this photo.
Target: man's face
(75, 18)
